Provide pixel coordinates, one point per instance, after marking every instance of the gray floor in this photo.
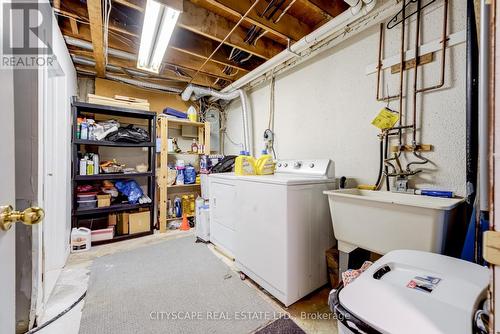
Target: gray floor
(175, 286)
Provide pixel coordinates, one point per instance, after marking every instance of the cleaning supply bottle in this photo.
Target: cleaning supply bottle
(192, 207)
(244, 164)
(185, 205)
(264, 164)
(194, 146)
(178, 207)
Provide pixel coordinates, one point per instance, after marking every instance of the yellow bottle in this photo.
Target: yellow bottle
(244, 164)
(185, 205)
(264, 164)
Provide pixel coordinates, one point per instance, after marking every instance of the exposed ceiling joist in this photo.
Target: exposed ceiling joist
(203, 22)
(95, 19)
(183, 41)
(287, 27)
(198, 46)
(333, 8)
(213, 26)
(74, 26)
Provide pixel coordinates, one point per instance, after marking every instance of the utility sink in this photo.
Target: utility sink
(381, 221)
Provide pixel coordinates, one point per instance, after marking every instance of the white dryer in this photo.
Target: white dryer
(277, 227)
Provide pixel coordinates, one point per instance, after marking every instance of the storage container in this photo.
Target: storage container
(412, 292)
(86, 196)
(84, 205)
(139, 222)
(80, 239)
(103, 200)
(104, 234)
(93, 223)
(122, 224)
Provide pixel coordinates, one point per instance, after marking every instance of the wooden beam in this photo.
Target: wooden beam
(287, 27)
(183, 56)
(129, 4)
(333, 8)
(182, 40)
(74, 26)
(208, 24)
(194, 44)
(95, 19)
(188, 61)
(213, 26)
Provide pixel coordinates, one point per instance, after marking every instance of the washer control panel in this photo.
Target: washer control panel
(315, 167)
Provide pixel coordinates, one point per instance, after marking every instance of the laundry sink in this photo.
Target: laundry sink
(381, 221)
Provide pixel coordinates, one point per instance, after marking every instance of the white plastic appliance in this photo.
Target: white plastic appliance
(412, 292)
(277, 227)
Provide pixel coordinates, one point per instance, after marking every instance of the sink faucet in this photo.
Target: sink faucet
(400, 175)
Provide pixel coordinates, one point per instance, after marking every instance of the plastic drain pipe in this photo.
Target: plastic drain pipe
(199, 91)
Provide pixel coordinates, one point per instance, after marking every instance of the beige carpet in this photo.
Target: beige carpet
(176, 286)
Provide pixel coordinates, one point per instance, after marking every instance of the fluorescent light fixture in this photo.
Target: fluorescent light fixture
(157, 29)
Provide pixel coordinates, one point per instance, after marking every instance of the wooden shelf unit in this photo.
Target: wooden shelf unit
(103, 112)
(164, 124)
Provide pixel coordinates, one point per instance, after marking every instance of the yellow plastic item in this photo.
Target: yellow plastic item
(244, 165)
(367, 187)
(265, 165)
(385, 119)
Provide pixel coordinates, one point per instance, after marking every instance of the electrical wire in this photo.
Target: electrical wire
(45, 324)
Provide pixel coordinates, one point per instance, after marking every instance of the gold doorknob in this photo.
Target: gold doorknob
(9, 216)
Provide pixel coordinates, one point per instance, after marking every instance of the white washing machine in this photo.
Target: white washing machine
(277, 226)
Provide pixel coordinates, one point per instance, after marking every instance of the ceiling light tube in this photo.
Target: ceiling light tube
(157, 29)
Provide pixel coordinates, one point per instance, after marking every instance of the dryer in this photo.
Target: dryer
(277, 227)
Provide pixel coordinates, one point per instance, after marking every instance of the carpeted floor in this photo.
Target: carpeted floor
(281, 326)
(176, 286)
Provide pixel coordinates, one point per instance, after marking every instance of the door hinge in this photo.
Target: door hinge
(491, 247)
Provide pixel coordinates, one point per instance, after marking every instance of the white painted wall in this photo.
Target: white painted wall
(55, 86)
(324, 107)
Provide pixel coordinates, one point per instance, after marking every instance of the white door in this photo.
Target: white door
(7, 197)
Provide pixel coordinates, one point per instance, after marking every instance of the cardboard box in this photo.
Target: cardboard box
(103, 200)
(112, 219)
(332, 262)
(139, 222)
(122, 223)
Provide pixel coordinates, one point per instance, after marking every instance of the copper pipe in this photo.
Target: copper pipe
(415, 76)
(401, 72)
(224, 40)
(379, 67)
(444, 39)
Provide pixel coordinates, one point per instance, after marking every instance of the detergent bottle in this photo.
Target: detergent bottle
(244, 164)
(265, 164)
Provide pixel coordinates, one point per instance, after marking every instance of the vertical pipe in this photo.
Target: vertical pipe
(401, 72)
(471, 108)
(484, 106)
(415, 76)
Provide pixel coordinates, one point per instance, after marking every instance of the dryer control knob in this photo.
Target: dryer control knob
(297, 164)
(285, 165)
(311, 165)
(279, 164)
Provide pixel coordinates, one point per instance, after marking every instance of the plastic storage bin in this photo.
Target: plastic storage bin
(85, 205)
(408, 291)
(104, 234)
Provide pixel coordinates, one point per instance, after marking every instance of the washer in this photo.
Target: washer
(277, 227)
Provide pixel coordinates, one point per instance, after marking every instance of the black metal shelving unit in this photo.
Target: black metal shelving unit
(81, 109)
